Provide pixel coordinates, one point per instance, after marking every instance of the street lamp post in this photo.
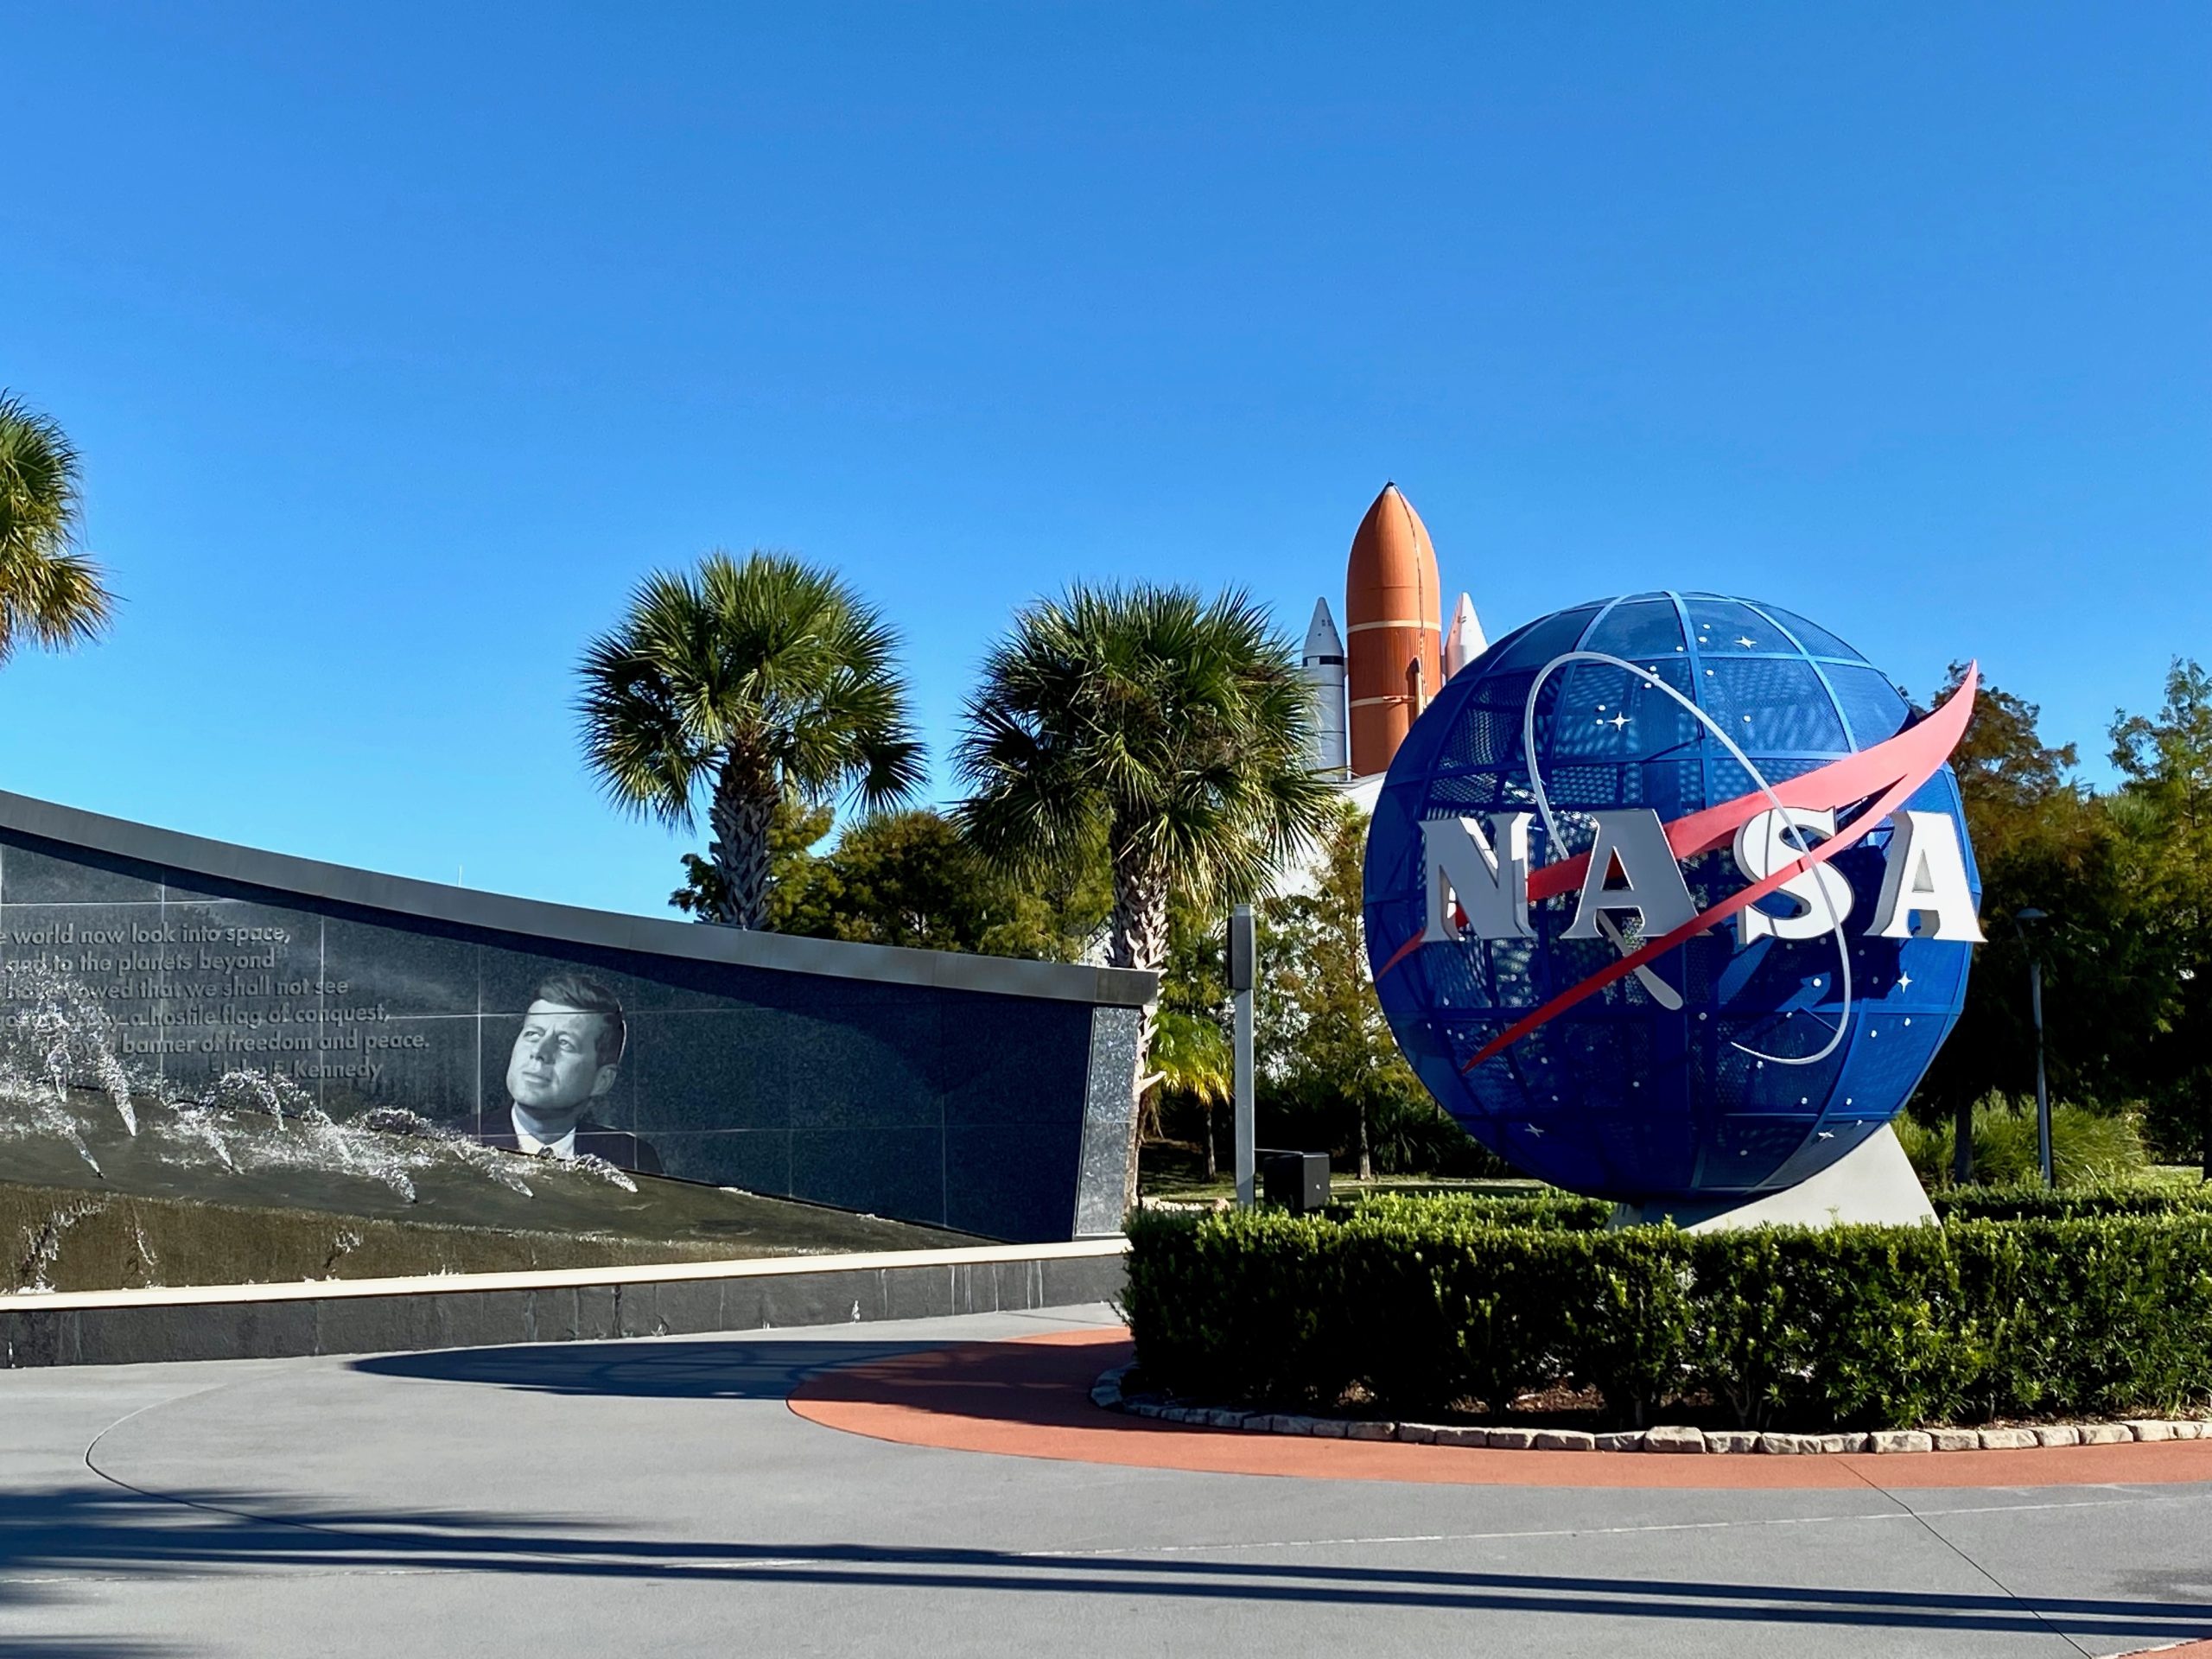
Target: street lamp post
(1244, 952)
(2020, 920)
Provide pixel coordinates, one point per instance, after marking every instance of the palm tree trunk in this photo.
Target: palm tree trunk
(1139, 940)
(740, 817)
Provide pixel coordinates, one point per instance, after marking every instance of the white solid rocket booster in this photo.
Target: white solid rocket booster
(1462, 640)
(1324, 667)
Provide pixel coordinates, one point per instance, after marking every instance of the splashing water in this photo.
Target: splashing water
(57, 1043)
(32, 1273)
(255, 1091)
(54, 1032)
(33, 1113)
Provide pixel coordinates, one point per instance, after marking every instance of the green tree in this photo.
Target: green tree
(2009, 778)
(1192, 1058)
(2122, 945)
(2166, 759)
(792, 835)
(902, 878)
(51, 595)
(910, 878)
(2162, 812)
(1321, 1027)
(1194, 1068)
(1172, 729)
(746, 683)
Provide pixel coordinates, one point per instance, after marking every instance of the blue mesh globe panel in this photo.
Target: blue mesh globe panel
(1636, 626)
(1811, 637)
(1889, 1058)
(1484, 737)
(1729, 627)
(1772, 706)
(1531, 647)
(1604, 711)
(1938, 975)
(1837, 1138)
(1869, 703)
(1728, 779)
(1474, 793)
(1940, 794)
(1747, 1152)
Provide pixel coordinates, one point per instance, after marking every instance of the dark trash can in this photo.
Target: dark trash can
(1298, 1181)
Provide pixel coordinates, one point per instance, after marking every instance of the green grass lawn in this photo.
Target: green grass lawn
(1174, 1170)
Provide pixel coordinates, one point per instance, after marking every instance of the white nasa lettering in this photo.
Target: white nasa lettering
(1925, 871)
(1488, 874)
(1651, 882)
(1483, 865)
(1769, 841)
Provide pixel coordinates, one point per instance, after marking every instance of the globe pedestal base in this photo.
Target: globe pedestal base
(1874, 1182)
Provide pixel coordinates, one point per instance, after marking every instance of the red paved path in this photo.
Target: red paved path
(1031, 1399)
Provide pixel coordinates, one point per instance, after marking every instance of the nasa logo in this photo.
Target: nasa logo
(1671, 897)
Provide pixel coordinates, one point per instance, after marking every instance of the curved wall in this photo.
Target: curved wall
(977, 1093)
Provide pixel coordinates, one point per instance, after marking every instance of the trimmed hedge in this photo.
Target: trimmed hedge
(1547, 1208)
(2033, 1200)
(1419, 1306)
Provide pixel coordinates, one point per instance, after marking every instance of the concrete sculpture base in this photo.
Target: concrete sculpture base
(1873, 1183)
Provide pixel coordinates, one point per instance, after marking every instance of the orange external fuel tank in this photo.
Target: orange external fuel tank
(1394, 643)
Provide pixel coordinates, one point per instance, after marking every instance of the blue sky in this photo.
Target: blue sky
(399, 343)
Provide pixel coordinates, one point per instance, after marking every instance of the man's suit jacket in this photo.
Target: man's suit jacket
(618, 1146)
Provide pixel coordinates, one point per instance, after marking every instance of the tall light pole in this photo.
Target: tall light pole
(2020, 920)
(1244, 950)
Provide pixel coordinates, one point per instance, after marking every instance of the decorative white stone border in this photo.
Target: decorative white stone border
(1106, 1392)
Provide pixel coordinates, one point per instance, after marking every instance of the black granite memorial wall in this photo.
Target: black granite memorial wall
(980, 1094)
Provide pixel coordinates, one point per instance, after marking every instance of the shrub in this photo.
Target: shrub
(2087, 1148)
(1545, 1207)
(1419, 1305)
(2032, 1200)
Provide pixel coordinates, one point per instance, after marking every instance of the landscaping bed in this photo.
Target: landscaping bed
(2023, 1308)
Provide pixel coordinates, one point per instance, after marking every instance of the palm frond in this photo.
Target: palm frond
(1181, 724)
(51, 593)
(764, 663)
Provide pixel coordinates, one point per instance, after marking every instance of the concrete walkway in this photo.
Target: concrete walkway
(659, 1497)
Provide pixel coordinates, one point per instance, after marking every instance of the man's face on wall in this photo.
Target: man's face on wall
(553, 1072)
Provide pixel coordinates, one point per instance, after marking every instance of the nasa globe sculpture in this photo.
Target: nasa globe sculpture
(1669, 898)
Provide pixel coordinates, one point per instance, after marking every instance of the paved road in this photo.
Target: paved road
(660, 1499)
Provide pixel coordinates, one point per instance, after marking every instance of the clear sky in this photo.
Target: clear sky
(399, 342)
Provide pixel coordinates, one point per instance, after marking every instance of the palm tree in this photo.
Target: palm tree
(750, 684)
(1191, 1055)
(50, 593)
(1172, 728)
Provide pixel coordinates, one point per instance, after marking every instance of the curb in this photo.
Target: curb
(1107, 1394)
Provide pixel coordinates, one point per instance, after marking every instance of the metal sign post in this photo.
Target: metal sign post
(1242, 950)
(2021, 921)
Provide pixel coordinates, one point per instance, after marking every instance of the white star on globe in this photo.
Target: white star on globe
(1905, 981)
(1744, 640)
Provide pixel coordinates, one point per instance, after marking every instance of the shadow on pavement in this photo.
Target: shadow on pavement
(114, 1532)
(728, 1369)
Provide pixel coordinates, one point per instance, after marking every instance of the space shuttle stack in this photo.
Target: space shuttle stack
(1368, 693)
(1394, 652)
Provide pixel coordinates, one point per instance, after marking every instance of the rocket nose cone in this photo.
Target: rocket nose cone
(1322, 639)
(1462, 640)
(1393, 565)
